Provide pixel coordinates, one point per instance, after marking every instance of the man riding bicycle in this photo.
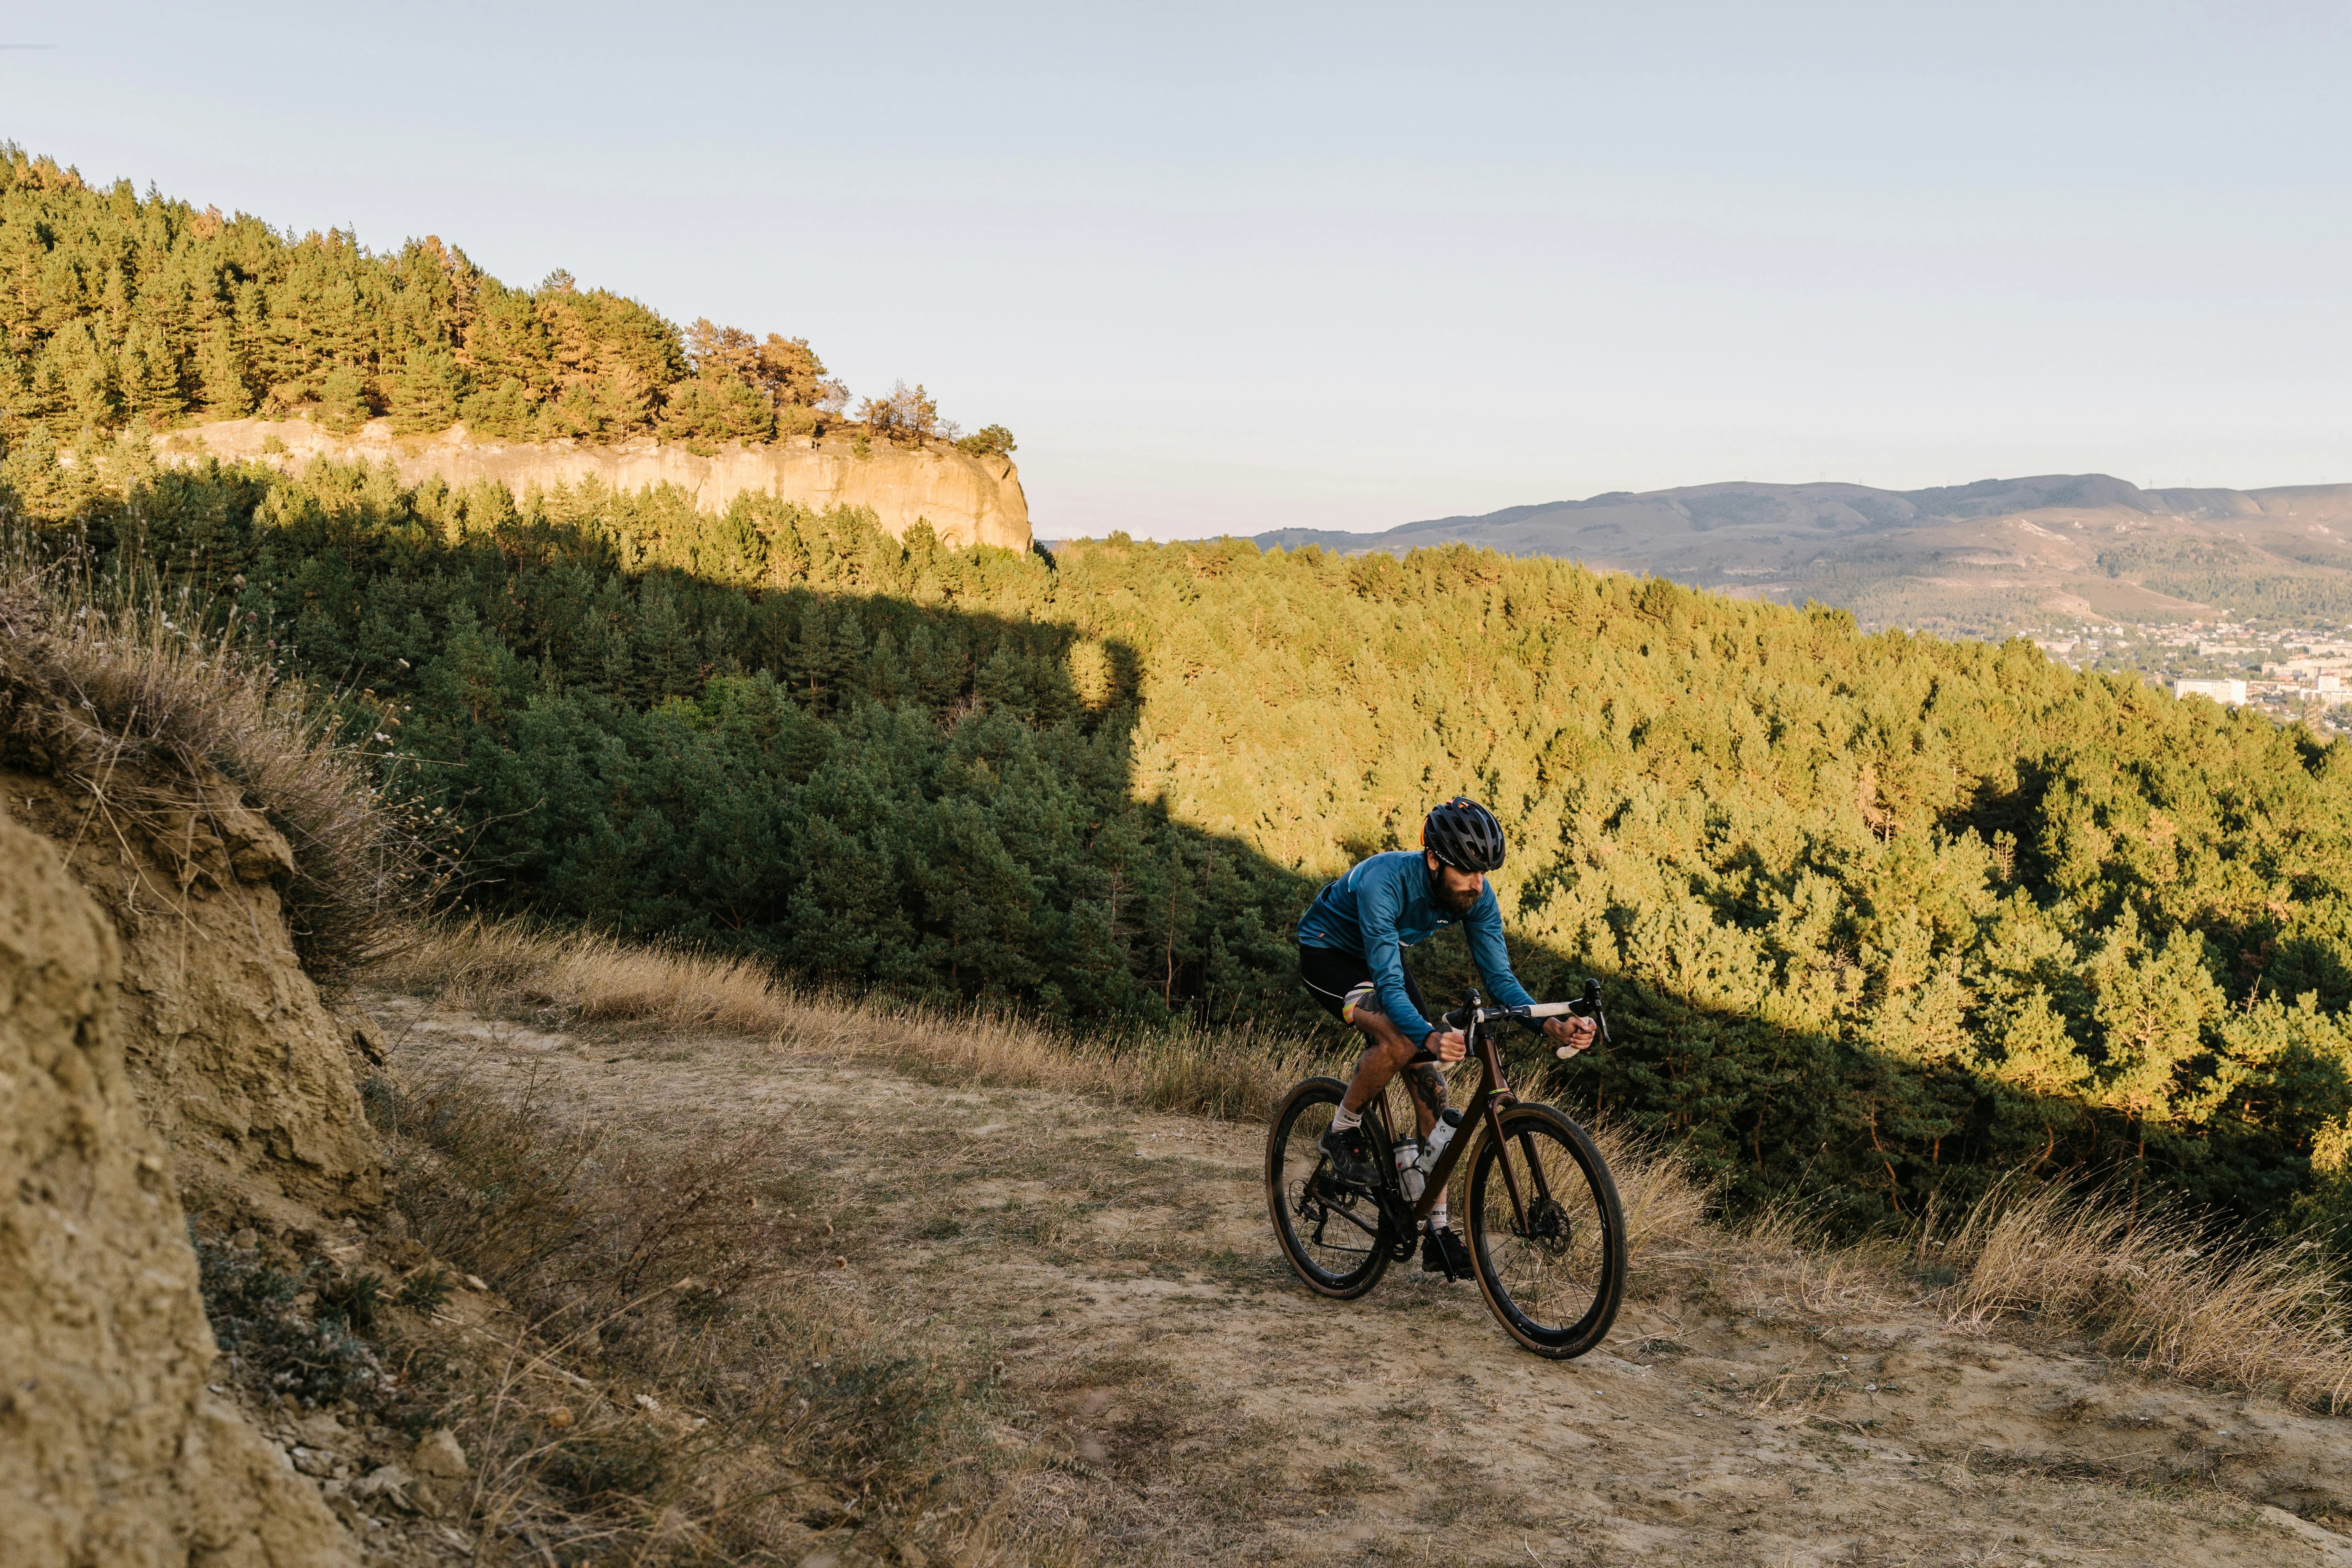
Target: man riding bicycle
(1351, 944)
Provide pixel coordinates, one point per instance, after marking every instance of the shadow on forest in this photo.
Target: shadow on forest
(876, 787)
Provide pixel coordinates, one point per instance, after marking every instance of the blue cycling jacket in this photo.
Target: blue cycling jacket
(1384, 907)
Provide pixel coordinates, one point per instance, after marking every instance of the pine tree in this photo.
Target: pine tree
(343, 398)
(84, 375)
(149, 376)
(220, 371)
(116, 306)
(429, 390)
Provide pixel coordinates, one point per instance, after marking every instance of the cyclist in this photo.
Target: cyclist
(1351, 944)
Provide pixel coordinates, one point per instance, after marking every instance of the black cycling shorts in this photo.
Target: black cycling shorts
(1333, 975)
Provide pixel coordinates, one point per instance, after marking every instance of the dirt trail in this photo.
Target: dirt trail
(1172, 1396)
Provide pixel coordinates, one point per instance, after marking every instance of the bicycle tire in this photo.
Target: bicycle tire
(1335, 1254)
(1555, 1284)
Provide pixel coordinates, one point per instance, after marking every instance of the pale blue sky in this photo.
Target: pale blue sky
(1227, 268)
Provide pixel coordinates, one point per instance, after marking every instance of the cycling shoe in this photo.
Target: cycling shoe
(1443, 1252)
(1351, 1159)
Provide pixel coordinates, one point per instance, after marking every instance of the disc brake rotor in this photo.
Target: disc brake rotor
(1549, 1230)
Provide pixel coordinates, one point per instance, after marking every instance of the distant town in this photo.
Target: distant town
(2287, 672)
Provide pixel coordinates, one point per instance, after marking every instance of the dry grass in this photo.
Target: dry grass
(2157, 1288)
(512, 965)
(565, 1221)
(586, 978)
(1666, 1205)
(153, 717)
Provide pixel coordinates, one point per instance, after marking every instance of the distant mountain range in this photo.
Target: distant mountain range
(1990, 556)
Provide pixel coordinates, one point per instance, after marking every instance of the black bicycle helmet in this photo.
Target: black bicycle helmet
(1465, 834)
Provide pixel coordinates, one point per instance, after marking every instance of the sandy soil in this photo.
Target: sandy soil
(1169, 1394)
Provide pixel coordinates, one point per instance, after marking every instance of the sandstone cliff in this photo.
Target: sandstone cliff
(966, 500)
(113, 1450)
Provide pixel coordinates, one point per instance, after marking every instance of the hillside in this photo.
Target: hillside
(577, 1251)
(170, 1065)
(1885, 916)
(1999, 555)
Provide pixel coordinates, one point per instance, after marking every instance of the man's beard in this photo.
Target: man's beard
(1448, 899)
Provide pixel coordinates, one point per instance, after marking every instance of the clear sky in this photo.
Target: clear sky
(1228, 268)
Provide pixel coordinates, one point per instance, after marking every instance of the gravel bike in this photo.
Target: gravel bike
(1547, 1234)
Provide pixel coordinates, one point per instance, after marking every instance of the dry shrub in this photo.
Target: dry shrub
(572, 1226)
(143, 711)
(682, 1275)
(2158, 1288)
(484, 1183)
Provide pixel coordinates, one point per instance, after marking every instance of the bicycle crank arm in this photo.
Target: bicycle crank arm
(1404, 1222)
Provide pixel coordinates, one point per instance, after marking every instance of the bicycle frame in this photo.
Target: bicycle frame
(1550, 1264)
(1495, 1096)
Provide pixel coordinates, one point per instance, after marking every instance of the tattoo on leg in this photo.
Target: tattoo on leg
(1426, 1081)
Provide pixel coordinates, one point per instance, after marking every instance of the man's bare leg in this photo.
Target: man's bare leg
(1389, 1053)
(1425, 1081)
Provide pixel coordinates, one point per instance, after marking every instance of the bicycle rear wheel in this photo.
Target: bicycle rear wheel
(1334, 1235)
(1546, 1233)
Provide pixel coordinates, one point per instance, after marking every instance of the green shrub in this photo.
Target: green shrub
(988, 440)
(271, 1343)
(426, 1290)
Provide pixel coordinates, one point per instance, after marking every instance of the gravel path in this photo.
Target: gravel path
(1171, 1395)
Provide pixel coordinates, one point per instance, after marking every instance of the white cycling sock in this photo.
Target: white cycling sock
(1437, 1215)
(1343, 1118)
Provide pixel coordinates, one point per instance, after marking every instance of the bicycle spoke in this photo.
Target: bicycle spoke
(1549, 1264)
(1550, 1243)
(1332, 1232)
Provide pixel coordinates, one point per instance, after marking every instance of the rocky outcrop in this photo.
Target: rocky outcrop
(966, 500)
(113, 1450)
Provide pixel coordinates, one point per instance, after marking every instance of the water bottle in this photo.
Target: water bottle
(1409, 1168)
(1439, 1137)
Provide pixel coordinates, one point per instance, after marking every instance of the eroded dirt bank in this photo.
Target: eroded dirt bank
(112, 1448)
(1166, 1394)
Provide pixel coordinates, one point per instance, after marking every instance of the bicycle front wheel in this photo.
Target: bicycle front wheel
(1547, 1232)
(1333, 1234)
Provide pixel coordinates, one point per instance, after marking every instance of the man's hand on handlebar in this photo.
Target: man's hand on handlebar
(1571, 1036)
(1447, 1046)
